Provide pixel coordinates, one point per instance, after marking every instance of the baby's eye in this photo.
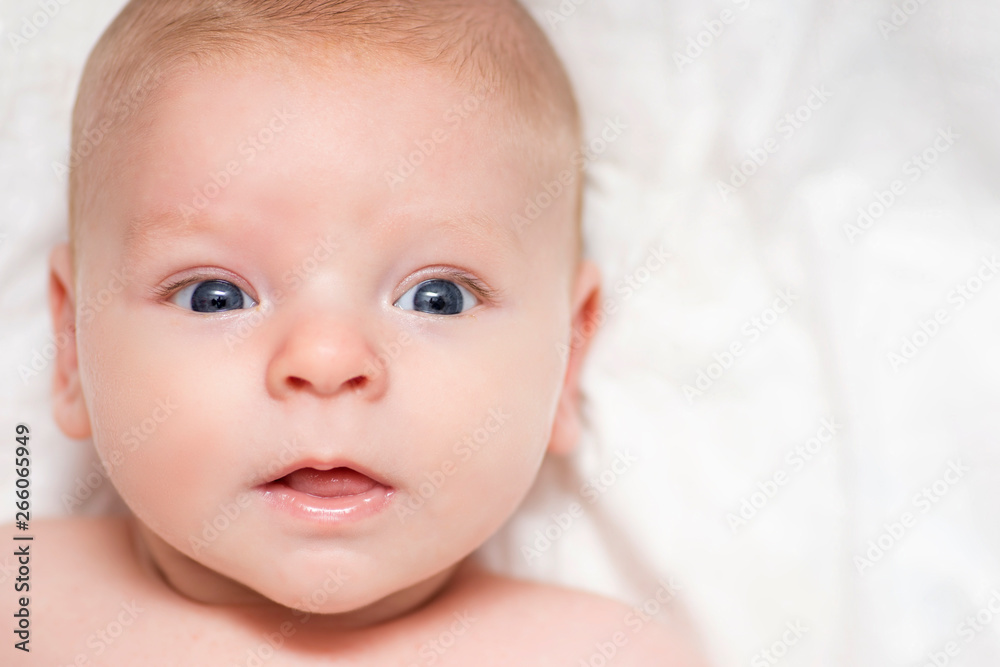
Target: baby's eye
(437, 297)
(212, 296)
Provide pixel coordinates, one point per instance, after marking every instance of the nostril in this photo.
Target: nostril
(355, 383)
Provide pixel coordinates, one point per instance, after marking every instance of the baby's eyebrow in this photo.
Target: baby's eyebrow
(169, 224)
(161, 224)
(480, 227)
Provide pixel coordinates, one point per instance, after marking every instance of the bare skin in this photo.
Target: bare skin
(112, 607)
(292, 380)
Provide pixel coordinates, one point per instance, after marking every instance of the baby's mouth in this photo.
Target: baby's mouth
(332, 483)
(326, 494)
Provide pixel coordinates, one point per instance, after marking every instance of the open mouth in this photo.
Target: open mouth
(332, 495)
(333, 483)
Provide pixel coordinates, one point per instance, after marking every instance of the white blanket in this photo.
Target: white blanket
(792, 408)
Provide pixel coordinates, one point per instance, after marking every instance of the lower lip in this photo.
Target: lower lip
(326, 510)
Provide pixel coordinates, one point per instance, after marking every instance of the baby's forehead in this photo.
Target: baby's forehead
(149, 230)
(480, 46)
(333, 151)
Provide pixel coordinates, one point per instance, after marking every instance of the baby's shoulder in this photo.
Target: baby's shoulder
(68, 548)
(75, 549)
(92, 529)
(586, 628)
(67, 572)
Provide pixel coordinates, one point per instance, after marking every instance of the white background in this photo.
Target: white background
(856, 298)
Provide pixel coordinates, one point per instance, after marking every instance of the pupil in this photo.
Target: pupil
(216, 295)
(440, 297)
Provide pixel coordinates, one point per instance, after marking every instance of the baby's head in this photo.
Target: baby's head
(322, 236)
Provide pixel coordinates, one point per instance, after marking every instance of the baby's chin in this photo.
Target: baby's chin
(342, 597)
(350, 589)
(330, 600)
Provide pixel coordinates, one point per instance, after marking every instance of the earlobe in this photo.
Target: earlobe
(586, 302)
(69, 407)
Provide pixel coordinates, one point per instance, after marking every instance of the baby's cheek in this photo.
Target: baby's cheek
(151, 426)
(506, 453)
(106, 387)
(508, 445)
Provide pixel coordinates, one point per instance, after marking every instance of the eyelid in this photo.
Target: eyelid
(482, 291)
(174, 286)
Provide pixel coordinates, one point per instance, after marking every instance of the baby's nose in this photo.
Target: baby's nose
(325, 356)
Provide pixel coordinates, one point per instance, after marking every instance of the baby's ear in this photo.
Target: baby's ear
(586, 303)
(69, 408)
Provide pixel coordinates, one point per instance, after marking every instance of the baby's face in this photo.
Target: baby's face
(306, 295)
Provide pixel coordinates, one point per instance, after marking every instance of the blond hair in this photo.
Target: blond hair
(491, 45)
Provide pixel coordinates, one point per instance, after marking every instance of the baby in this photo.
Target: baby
(340, 342)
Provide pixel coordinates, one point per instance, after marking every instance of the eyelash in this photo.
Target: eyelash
(455, 275)
(168, 290)
(480, 289)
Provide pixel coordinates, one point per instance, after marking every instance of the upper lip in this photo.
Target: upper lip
(327, 464)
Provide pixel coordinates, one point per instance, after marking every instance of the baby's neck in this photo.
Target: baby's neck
(165, 566)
